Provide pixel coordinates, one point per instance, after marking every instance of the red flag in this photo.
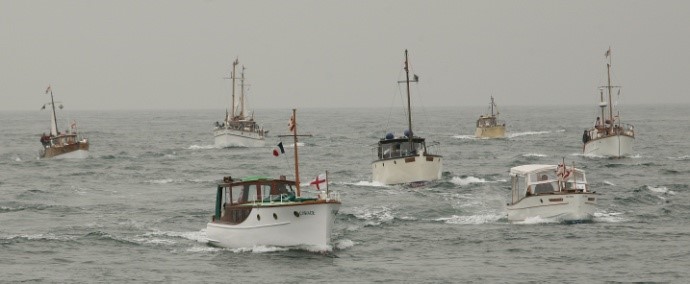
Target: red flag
(318, 180)
(275, 152)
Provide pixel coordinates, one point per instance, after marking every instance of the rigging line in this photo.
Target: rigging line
(390, 108)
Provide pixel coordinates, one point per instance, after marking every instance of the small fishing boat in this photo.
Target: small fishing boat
(238, 129)
(609, 136)
(406, 159)
(488, 125)
(551, 192)
(256, 211)
(67, 145)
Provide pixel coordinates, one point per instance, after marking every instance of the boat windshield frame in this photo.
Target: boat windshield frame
(400, 147)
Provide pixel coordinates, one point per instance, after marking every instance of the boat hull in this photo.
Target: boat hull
(407, 169)
(559, 207)
(236, 138)
(293, 225)
(71, 151)
(498, 131)
(612, 146)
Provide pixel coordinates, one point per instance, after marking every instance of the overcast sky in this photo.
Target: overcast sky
(123, 54)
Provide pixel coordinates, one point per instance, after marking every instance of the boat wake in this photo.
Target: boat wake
(366, 183)
(536, 220)
(471, 137)
(612, 217)
(472, 219)
(202, 147)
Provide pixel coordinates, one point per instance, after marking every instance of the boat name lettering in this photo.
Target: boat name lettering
(307, 213)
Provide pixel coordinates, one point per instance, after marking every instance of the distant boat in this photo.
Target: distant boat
(238, 130)
(550, 192)
(609, 137)
(257, 210)
(62, 145)
(488, 125)
(405, 159)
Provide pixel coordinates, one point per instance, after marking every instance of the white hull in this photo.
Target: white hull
(407, 169)
(312, 228)
(560, 207)
(612, 146)
(235, 138)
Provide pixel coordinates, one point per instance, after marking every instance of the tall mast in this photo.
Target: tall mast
(294, 135)
(409, 107)
(232, 76)
(242, 94)
(492, 105)
(608, 71)
(54, 127)
(601, 104)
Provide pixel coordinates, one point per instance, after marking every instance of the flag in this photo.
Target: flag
(291, 124)
(280, 147)
(48, 89)
(318, 180)
(608, 53)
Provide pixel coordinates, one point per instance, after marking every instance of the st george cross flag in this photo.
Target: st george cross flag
(318, 181)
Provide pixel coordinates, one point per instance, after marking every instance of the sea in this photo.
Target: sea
(136, 210)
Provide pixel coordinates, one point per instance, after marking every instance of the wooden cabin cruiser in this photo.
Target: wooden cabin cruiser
(257, 211)
(68, 145)
(554, 192)
(406, 159)
(488, 125)
(238, 129)
(609, 137)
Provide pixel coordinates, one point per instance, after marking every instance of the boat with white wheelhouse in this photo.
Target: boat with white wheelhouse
(62, 145)
(488, 125)
(262, 211)
(406, 159)
(238, 129)
(551, 192)
(609, 137)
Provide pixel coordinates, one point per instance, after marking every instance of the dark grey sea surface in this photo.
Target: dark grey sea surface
(136, 209)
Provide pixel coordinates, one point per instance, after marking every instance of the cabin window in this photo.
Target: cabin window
(265, 191)
(543, 182)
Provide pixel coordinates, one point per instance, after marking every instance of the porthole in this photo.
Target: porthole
(258, 217)
(296, 213)
(275, 216)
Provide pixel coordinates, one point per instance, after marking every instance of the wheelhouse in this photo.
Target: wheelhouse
(391, 148)
(245, 193)
(543, 179)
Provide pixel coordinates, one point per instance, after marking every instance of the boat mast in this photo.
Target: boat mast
(492, 105)
(232, 76)
(608, 71)
(294, 135)
(242, 94)
(54, 127)
(409, 107)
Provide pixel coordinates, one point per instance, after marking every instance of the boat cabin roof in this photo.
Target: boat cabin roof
(401, 140)
(528, 169)
(229, 181)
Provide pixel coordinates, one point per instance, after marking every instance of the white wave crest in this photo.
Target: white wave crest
(17, 159)
(201, 147)
(660, 189)
(681, 158)
(613, 217)
(536, 220)
(374, 217)
(367, 183)
(465, 137)
(472, 219)
(467, 180)
(204, 249)
(534, 155)
(343, 244)
(518, 134)
(608, 182)
(162, 181)
(259, 249)
(198, 236)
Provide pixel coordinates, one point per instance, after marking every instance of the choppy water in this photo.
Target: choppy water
(136, 210)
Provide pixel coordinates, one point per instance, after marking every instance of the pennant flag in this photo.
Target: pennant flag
(48, 89)
(318, 180)
(282, 150)
(608, 53)
(291, 124)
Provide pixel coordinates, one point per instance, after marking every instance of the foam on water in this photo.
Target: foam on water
(518, 134)
(368, 183)
(535, 155)
(374, 216)
(472, 219)
(609, 217)
(344, 244)
(470, 137)
(535, 220)
(202, 147)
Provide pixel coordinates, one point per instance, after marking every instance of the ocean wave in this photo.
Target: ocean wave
(259, 249)
(201, 147)
(204, 249)
(518, 134)
(472, 137)
(367, 183)
(344, 244)
(608, 182)
(462, 181)
(613, 217)
(535, 155)
(660, 189)
(374, 217)
(197, 236)
(37, 237)
(536, 220)
(681, 158)
(472, 219)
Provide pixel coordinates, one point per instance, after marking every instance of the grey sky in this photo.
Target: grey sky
(173, 54)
